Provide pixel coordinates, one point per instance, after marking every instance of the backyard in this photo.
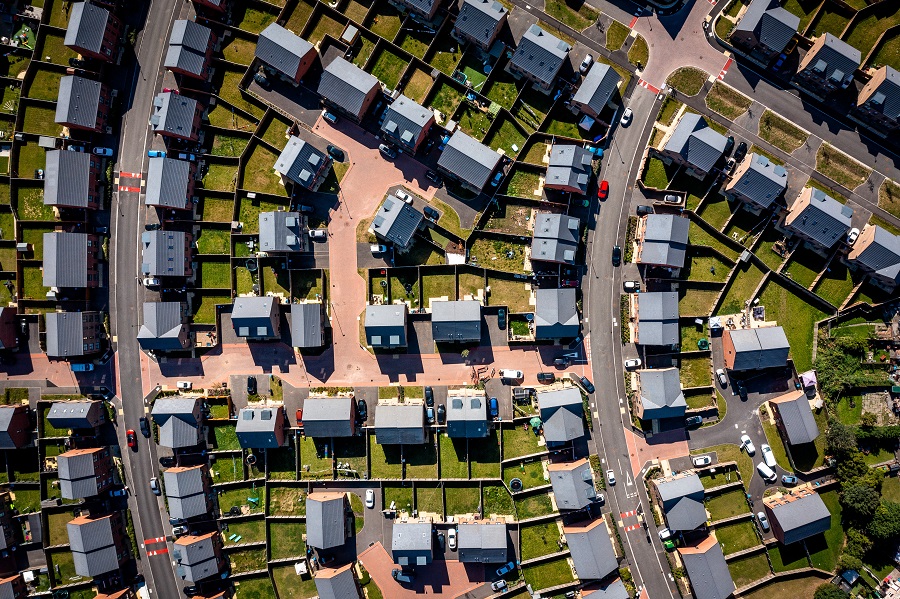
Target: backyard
(537, 540)
(388, 66)
(785, 306)
(740, 289)
(213, 241)
(726, 505)
(745, 570)
(548, 574)
(696, 370)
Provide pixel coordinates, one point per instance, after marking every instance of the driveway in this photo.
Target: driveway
(444, 578)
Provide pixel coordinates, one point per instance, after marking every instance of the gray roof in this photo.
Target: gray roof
(570, 166)
(682, 501)
(482, 542)
(67, 179)
(555, 237)
(87, 24)
(763, 182)
(658, 318)
(405, 119)
(168, 183)
(78, 101)
(540, 54)
(7, 588)
(456, 320)
(886, 95)
(196, 557)
(336, 583)
(65, 333)
(665, 240)
(307, 325)
(281, 49)
(346, 85)
(255, 316)
(592, 550)
(280, 231)
(607, 590)
(686, 514)
(163, 253)
(386, 325)
(187, 46)
(562, 414)
(466, 414)
(424, 6)
(478, 19)
(797, 418)
(773, 25)
(65, 259)
(325, 520)
(556, 314)
(75, 414)
(328, 417)
(400, 423)
(882, 255)
(173, 113)
(469, 160)
(573, 484)
(77, 478)
(836, 59)
(163, 326)
(258, 427)
(9, 414)
(696, 142)
(766, 347)
(396, 221)
(92, 545)
(411, 543)
(178, 421)
(598, 87)
(300, 161)
(179, 57)
(708, 573)
(661, 394)
(801, 518)
(185, 491)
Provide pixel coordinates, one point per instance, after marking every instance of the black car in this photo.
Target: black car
(616, 255)
(336, 153)
(501, 318)
(362, 410)
(546, 377)
(429, 397)
(693, 421)
(152, 226)
(78, 64)
(729, 145)
(441, 413)
(168, 461)
(145, 426)
(251, 385)
(742, 392)
(429, 415)
(740, 152)
(431, 213)
(191, 591)
(24, 330)
(643, 209)
(434, 178)
(587, 384)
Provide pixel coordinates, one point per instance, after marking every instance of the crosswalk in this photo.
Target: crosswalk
(646, 85)
(130, 182)
(724, 70)
(156, 541)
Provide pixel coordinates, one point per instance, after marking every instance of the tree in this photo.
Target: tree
(885, 523)
(829, 591)
(858, 544)
(850, 562)
(840, 441)
(860, 501)
(851, 467)
(868, 420)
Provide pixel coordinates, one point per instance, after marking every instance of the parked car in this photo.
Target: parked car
(789, 480)
(632, 286)
(431, 213)
(179, 530)
(377, 249)
(498, 585)
(190, 591)
(429, 397)
(145, 426)
(77, 63)
(156, 154)
(187, 156)
(362, 409)
(501, 319)
(131, 438)
(720, 376)
(693, 421)
(768, 456)
(763, 521)
(742, 392)
(318, 234)
(729, 145)
(603, 190)
(336, 153)
(546, 378)
(404, 196)
(441, 542)
(184, 385)
(509, 567)
(510, 374)
(610, 477)
(299, 417)
(451, 538)
(702, 460)
(586, 64)
(441, 413)
(434, 178)
(852, 235)
(664, 533)
(582, 381)
(304, 209)
(626, 117)
(118, 493)
(401, 576)
(644, 210)
(387, 151)
(632, 364)
(569, 283)
(330, 117)
(168, 461)
(251, 385)
(154, 486)
(740, 152)
(103, 151)
(671, 199)
(747, 444)
(152, 226)
(494, 408)
(370, 498)
(766, 473)
(616, 255)
(429, 414)
(729, 166)
(497, 178)
(150, 282)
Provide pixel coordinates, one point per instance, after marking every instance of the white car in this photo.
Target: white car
(404, 196)
(184, 385)
(632, 364)
(451, 539)
(610, 477)
(664, 533)
(514, 375)
(720, 375)
(852, 235)
(377, 249)
(747, 444)
(702, 460)
(763, 521)
(370, 498)
(317, 234)
(632, 286)
(150, 282)
(103, 151)
(586, 64)
(768, 456)
(626, 117)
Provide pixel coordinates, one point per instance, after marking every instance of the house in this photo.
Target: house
(179, 420)
(348, 89)
(337, 583)
(694, 145)
(794, 418)
(190, 49)
(656, 318)
(765, 30)
(216, 6)
(198, 557)
(828, 66)
(326, 519)
(281, 232)
(8, 336)
(681, 498)
(755, 349)
(597, 90)
(591, 548)
(170, 183)
(538, 58)
(303, 164)
(818, 219)
(165, 327)
(73, 334)
(758, 182)
(99, 544)
(328, 417)
(424, 9)
(556, 314)
(71, 260)
(126, 593)
(562, 414)
(76, 415)
(479, 22)
(797, 514)
(188, 491)
(286, 53)
(662, 240)
(386, 326)
(308, 325)
(15, 427)
(610, 589)
(456, 321)
(660, 395)
(396, 222)
(406, 124)
(13, 587)
(93, 31)
(570, 169)
(72, 180)
(261, 427)
(555, 238)
(82, 104)
(166, 254)
(467, 414)
(176, 116)
(467, 161)
(85, 473)
(877, 253)
(573, 484)
(256, 318)
(707, 570)
(412, 543)
(482, 542)
(878, 105)
(400, 423)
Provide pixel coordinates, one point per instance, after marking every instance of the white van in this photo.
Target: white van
(514, 375)
(184, 385)
(767, 473)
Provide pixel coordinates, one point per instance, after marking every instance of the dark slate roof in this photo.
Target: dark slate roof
(562, 414)
(184, 490)
(555, 237)
(92, 545)
(836, 59)
(188, 54)
(707, 570)
(540, 54)
(336, 583)
(411, 543)
(466, 414)
(773, 25)
(456, 320)
(163, 324)
(306, 325)
(665, 240)
(763, 182)
(163, 253)
(696, 142)
(260, 427)
(325, 520)
(7, 588)
(77, 479)
(765, 347)
(607, 590)
(300, 161)
(7, 414)
(346, 85)
(173, 113)
(196, 556)
(592, 550)
(78, 101)
(661, 394)
(328, 417)
(67, 178)
(478, 18)
(670, 490)
(280, 231)
(65, 333)
(87, 24)
(555, 314)
(598, 87)
(797, 418)
(254, 316)
(178, 425)
(468, 159)
(573, 484)
(424, 6)
(281, 49)
(168, 182)
(405, 119)
(882, 255)
(482, 542)
(65, 259)
(686, 514)
(396, 221)
(887, 94)
(658, 318)
(386, 325)
(74, 414)
(569, 166)
(400, 423)
(802, 517)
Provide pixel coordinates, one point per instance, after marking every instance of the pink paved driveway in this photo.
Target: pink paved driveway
(444, 578)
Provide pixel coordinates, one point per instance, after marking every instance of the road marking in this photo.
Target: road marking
(647, 86)
(634, 21)
(622, 410)
(155, 540)
(130, 189)
(724, 70)
(162, 551)
(624, 515)
(632, 527)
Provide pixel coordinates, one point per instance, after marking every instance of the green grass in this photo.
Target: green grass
(215, 274)
(418, 85)
(205, 307)
(256, 587)
(522, 183)
(781, 133)
(56, 524)
(845, 412)
(462, 500)
(224, 116)
(231, 146)
(889, 197)
(253, 20)
(716, 210)
(502, 89)
(695, 302)
(562, 122)
(840, 167)
(616, 34)
(398, 287)
(803, 267)
(727, 101)
(62, 564)
(214, 241)
(578, 17)
(888, 52)
(445, 98)
(286, 501)
(775, 442)
(414, 42)
(729, 452)
(740, 289)
(401, 496)
(507, 256)
(890, 489)
(325, 25)
(657, 174)
(668, 110)
(787, 557)
(313, 463)
(726, 505)
(485, 456)
(722, 476)
(249, 210)
(40, 121)
(31, 205)
(687, 80)
(497, 500)
(825, 549)
(300, 15)
(237, 49)
(695, 371)
(531, 474)
(291, 586)
(388, 67)
(472, 121)
(421, 461)
(865, 32)
(785, 307)
(747, 569)
(250, 531)
(537, 540)
(31, 158)
(357, 10)
(548, 574)
(222, 177)
(453, 458)
(247, 560)
(506, 135)
(226, 82)
(765, 250)
(45, 85)
(805, 9)
(435, 286)
(29, 501)
(385, 460)
(259, 173)
(705, 268)
(737, 537)
(639, 53)
(225, 437)
(219, 210)
(386, 22)
(286, 539)
(829, 21)
(51, 45)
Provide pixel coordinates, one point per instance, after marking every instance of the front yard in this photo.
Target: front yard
(840, 167)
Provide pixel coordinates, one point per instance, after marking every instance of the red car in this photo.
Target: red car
(569, 283)
(603, 191)
(131, 438)
(299, 418)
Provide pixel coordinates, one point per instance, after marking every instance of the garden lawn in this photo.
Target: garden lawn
(225, 437)
(325, 25)
(531, 474)
(230, 146)
(418, 85)
(498, 501)
(740, 289)
(865, 32)
(226, 117)
(716, 210)
(747, 569)
(45, 85)
(787, 557)
(300, 15)
(765, 249)
(289, 585)
(726, 505)
(453, 458)
(401, 496)
(639, 53)
(548, 574)
(256, 587)
(473, 121)
(695, 302)
(385, 22)
(385, 460)
(824, 549)
(247, 560)
(835, 285)
(687, 80)
(727, 101)
(286, 501)
(562, 122)
(506, 135)
(537, 540)
(52, 46)
(220, 210)
(40, 121)
(889, 197)
(214, 241)
(258, 174)
(237, 49)
(830, 21)
(507, 256)
(616, 34)
(729, 452)
(429, 499)
(657, 174)
(784, 306)
(445, 98)
(222, 177)
(803, 267)
(890, 488)
(226, 81)
(313, 464)
(695, 371)
(522, 183)
(737, 537)
(247, 531)
(485, 456)
(205, 307)
(215, 274)
(690, 335)
(804, 9)
(888, 53)
(840, 167)
(388, 67)
(62, 564)
(462, 500)
(718, 478)
(520, 442)
(253, 20)
(502, 89)
(421, 460)
(31, 206)
(705, 267)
